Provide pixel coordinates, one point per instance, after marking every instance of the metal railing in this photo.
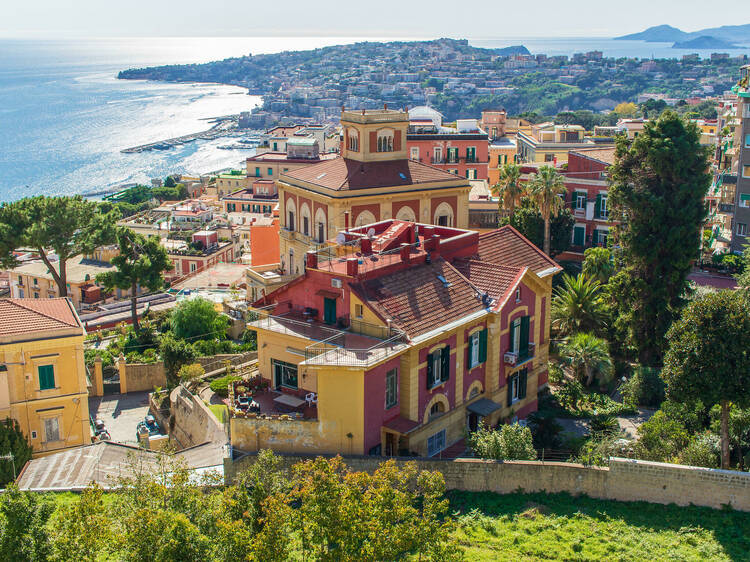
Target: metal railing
(334, 352)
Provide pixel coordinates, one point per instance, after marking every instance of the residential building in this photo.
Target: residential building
(205, 250)
(43, 381)
(586, 180)
(550, 143)
(260, 197)
(501, 151)
(493, 121)
(230, 181)
(299, 152)
(406, 336)
(32, 280)
(372, 180)
(741, 163)
(460, 150)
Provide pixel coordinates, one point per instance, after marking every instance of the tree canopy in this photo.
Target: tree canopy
(528, 221)
(69, 226)
(198, 317)
(659, 180)
(545, 188)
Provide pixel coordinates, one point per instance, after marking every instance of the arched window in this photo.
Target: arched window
(385, 140)
(365, 217)
(437, 409)
(353, 140)
(291, 213)
(443, 215)
(305, 220)
(406, 213)
(320, 226)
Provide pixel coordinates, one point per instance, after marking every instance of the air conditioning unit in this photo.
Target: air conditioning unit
(336, 283)
(510, 358)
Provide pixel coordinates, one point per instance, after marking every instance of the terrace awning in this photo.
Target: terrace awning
(484, 407)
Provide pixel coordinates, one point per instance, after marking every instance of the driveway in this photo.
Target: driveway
(120, 413)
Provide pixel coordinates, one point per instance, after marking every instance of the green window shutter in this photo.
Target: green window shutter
(523, 348)
(46, 377)
(469, 349)
(595, 237)
(522, 379)
(598, 208)
(511, 343)
(508, 387)
(429, 371)
(445, 367)
(483, 346)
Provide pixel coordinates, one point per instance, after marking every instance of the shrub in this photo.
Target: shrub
(644, 388)
(545, 430)
(190, 374)
(508, 442)
(197, 318)
(605, 424)
(12, 440)
(703, 450)
(661, 438)
(221, 385)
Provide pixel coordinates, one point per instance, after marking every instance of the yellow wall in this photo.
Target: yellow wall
(67, 402)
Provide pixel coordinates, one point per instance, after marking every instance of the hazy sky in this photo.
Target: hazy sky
(398, 18)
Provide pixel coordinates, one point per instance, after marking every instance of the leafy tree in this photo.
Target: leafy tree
(82, 530)
(508, 442)
(191, 374)
(743, 279)
(175, 353)
(661, 438)
(141, 262)
(528, 221)
(708, 356)
(577, 305)
(509, 189)
(13, 441)
(659, 180)
(545, 188)
(170, 182)
(588, 356)
(23, 525)
(644, 388)
(702, 450)
(197, 317)
(156, 535)
(626, 109)
(69, 226)
(598, 264)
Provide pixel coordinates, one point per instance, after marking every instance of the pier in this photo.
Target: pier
(223, 126)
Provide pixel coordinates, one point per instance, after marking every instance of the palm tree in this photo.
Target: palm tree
(578, 306)
(509, 189)
(598, 264)
(545, 188)
(587, 355)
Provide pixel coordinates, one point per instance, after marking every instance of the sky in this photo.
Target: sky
(481, 19)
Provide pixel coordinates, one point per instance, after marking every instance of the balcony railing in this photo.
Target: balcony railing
(516, 358)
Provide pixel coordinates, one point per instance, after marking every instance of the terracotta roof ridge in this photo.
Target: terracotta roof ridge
(504, 297)
(528, 242)
(40, 313)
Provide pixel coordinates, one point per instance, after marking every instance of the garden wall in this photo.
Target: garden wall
(194, 423)
(622, 480)
(136, 377)
(214, 362)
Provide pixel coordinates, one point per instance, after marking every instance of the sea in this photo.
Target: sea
(65, 117)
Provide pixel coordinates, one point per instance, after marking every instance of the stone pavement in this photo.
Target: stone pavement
(121, 413)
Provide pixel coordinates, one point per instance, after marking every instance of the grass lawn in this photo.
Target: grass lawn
(220, 411)
(562, 527)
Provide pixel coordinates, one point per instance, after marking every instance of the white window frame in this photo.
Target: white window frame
(474, 349)
(603, 210)
(193, 266)
(514, 385)
(392, 378)
(518, 294)
(436, 443)
(581, 200)
(437, 361)
(516, 327)
(414, 153)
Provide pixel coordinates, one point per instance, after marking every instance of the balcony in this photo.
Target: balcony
(359, 344)
(726, 208)
(514, 359)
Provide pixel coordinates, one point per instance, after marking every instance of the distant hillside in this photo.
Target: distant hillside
(737, 34)
(513, 50)
(658, 34)
(704, 42)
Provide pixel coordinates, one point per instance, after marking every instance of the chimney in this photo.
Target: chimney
(406, 253)
(365, 244)
(436, 244)
(427, 233)
(352, 267)
(312, 259)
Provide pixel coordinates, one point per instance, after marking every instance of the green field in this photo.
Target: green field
(562, 527)
(220, 411)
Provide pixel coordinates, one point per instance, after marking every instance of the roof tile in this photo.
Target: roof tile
(506, 246)
(24, 316)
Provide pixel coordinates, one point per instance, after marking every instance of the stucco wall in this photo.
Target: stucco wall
(623, 480)
(136, 377)
(194, 423)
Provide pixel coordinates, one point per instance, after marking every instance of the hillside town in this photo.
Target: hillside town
(391, 276)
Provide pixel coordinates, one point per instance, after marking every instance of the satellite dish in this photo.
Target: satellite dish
(371, 232)
(340, 238)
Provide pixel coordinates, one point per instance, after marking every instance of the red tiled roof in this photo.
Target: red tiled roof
(603, 155)
(26, 316)
(492, 278)
(343, 174)
(417, 301)
(507, 246)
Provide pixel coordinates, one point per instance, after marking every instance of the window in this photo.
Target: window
(602, 205)
(549, 157)
(438, 367)
(284, 374)
(519, 337)
(385, 141)
(36, 281)
(46, 377)
(518, 294)
(270, 171)
(358, 310)
(36, 295)
(471, 174)
(747, 141)
(353, 142)
(414, 153)
(517, 386)
(257, 172)
(471, 154)
(20, 281)
(192, 266)
(306, 226)
(477, 350)
(436, 443)
(452, 155)
(515, 335)
(391, 388)
(580, 200)
(275, 147)
(20, 293)
(745, 200)
(438, 158)
(290, 221)
(741, 229)
(51, 429)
